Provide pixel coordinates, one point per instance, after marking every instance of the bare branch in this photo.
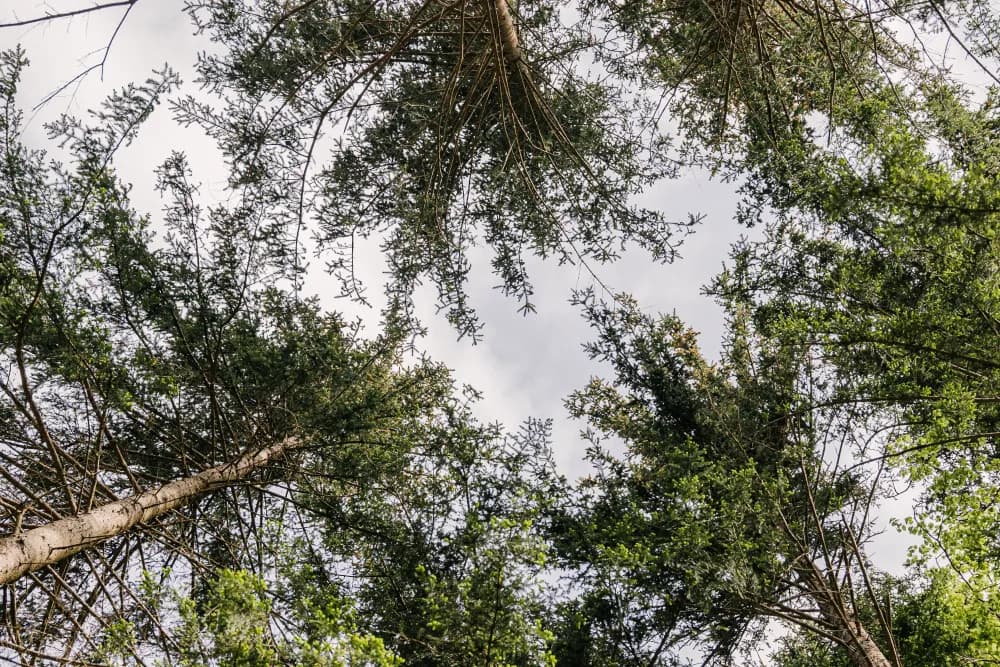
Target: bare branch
(70, 14)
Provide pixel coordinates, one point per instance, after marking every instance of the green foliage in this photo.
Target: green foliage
(445, 139)
(746, 69)
(139, 357)
(140, 349)
(233, 624)
(705, 526)
(942, 621)
(117, 644)
(453, 584)
(883, 258)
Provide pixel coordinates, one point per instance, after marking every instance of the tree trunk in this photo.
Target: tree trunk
(48, 544)
(862, 650)
(507, 32)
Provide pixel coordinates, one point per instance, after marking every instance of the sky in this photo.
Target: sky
(526, 365)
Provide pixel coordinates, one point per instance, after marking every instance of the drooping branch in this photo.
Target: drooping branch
(48, 544)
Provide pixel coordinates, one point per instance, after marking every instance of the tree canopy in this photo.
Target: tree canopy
(201, 466)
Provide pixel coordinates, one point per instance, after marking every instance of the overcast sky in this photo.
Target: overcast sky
(525, 366)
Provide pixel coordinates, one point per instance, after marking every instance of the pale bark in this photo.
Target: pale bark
(508, 33)
(48, 544)
(862, 650)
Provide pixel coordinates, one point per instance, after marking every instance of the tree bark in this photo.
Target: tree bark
(48, 544)
(507, 32)
(862, 650)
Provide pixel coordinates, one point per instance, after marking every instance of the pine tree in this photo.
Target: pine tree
(732, 505)
(171, 414)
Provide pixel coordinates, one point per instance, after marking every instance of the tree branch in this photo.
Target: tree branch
(70, 14)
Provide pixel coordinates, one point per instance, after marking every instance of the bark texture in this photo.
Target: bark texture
(507, 31)
(862, 650)
(48, 544)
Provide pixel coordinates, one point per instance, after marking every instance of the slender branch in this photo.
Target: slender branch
(920, 446)
(104, 57)
(70, 14)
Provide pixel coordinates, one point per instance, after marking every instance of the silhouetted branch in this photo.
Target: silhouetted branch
(69, 14)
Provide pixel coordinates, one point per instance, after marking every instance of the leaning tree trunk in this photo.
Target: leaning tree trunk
(48, 544)
(837, 614)
(861, 648)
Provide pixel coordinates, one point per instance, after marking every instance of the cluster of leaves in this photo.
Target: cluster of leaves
(230, 624)
(724, 504)
(882, 257)
(738, 69)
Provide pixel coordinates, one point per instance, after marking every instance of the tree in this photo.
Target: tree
(730, 506)
(230, 625)
(167, 402)
(742, 74)
(881, 258)
(433, 125)
(945, 621)
(876, 179)
(860, 337)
